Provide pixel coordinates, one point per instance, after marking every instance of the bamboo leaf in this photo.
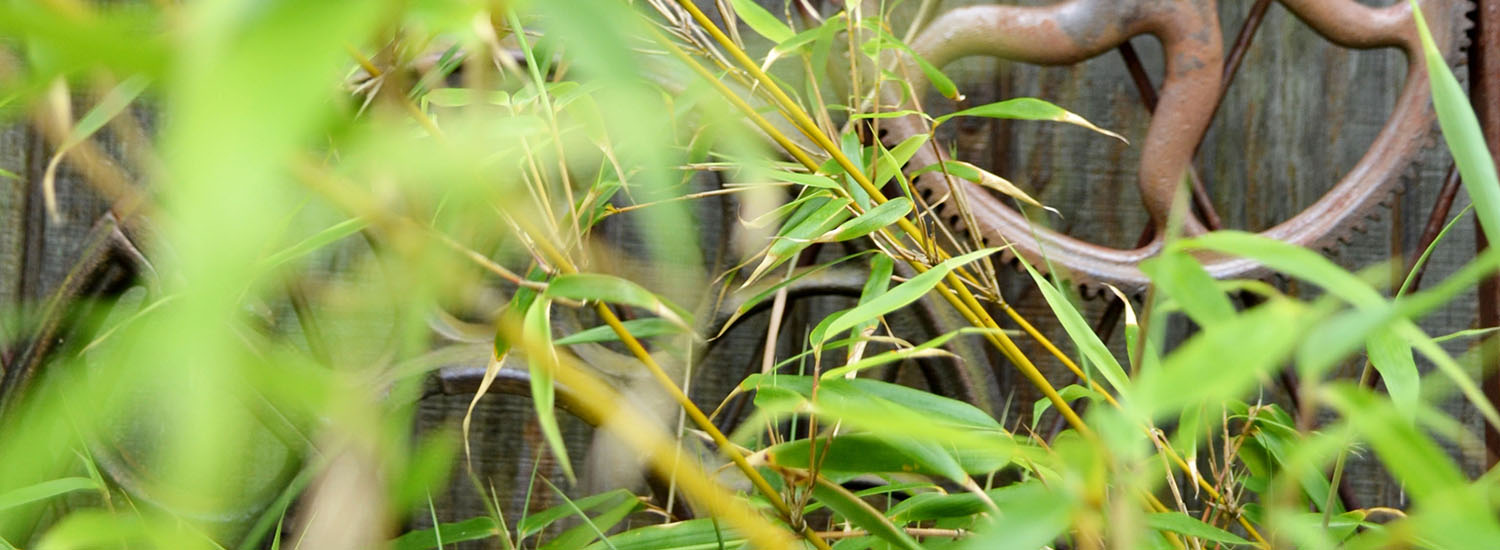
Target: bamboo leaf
(861, 514)
(810, 180)
(609, 288)
(640, 328)
(984, 178)
(905, 293)
(862, 453)
(1182, 278)
(1200, 371)
(536, 522)
(111, 105)
(1180, 523)
(873, 219)
(542, 356)
(1462, 133)
(1081, 333)
(693, 534)
(761, 21)
(478, 528)
(1031, 516)
(1027, 108)
(45, 490)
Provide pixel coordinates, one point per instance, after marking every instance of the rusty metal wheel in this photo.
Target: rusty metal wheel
(1189, 30)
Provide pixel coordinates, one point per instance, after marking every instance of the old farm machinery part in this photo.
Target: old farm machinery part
(1197, 72)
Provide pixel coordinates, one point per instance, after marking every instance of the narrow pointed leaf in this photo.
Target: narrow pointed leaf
(905, 293)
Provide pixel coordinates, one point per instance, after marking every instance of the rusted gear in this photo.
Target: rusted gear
(1190, 33)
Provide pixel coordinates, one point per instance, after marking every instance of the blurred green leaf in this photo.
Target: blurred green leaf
(1177, 522)
(317, 241)
(478, 528)
(1391, 356)
(1069, 392)
(1200, 371)
(1031, 516)
(46, 490)
(536, 522)
(541, 355)
(591, 528)
(693, 534)
(1182, 278)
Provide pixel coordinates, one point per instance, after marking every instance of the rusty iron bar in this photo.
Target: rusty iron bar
(1242, 40)
(1149, 97)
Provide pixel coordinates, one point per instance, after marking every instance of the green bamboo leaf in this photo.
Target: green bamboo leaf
(542, 357)
(797, 42)
(45, 490)
(615, 510)
(1031, 516)
(1027, 108)
(789, 210)
(799, 232)
(478, 528)
(762, 295)
(693, 534)
(649, 327)
(1070, 392)
(1390, 354)
(934, 408)
(905, 293)
(761, 21)
(887, 114)
(810, 180)
(984, 178)
(1452, 513)
(1200, 371)
(1081, 333)
(873, 219)
(110, 106)
(1182, 278)
(879, 281)
(920, 350)
(317, 241)
(95, 528)
(861, 514)
(609, 288)
(536, 522)
(1183, 524)
(935, 76)
(1462, 133)
(860, 453)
